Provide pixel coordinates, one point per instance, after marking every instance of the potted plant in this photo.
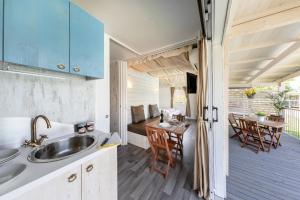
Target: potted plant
(280, 100)
(261, 116)
(250, 92)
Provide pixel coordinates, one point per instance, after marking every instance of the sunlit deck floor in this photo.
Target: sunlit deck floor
(270, 176)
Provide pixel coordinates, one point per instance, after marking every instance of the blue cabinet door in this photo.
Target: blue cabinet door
(36, 33)
(1, 30)
(86, 44)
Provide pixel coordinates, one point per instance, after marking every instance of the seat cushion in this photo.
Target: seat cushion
(137, 113)
(153, 111)
(139, 128)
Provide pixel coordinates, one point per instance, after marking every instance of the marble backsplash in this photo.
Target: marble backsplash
(61, 97)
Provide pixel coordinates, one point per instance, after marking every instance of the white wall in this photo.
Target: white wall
(142, 89)
(165, 102)
(102, 113)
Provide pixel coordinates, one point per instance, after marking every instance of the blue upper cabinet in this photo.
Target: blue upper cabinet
(86, 44)
(1, 30)
(36, 33)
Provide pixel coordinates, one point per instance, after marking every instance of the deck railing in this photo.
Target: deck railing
(292, 121)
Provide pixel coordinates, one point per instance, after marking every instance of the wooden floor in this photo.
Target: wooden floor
(262, 176)
(136, 182)
(270, 176)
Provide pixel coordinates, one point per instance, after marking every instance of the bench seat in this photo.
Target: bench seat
(139, 128)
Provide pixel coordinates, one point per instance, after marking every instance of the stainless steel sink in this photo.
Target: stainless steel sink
(62, 149)
(8, 154)
(8, 172)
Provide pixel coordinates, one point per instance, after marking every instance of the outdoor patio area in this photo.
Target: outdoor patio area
(266, 175)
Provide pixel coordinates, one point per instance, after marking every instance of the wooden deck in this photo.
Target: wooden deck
(270, 176)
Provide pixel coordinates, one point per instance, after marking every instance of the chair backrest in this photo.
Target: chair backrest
(179, 117)
(251, 127)
(158, 138)
(248, 125)
(275, 118)
(232, 119)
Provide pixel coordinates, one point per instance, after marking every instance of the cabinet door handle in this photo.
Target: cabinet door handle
(61, 66)
(217, 114)
(77, 68)
(89, 168)
(205, 109)
(72, 178)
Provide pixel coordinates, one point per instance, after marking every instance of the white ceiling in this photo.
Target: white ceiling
(119, 52)
(146, 25)
(263, 41)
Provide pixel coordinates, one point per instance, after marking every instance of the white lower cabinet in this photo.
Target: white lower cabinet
(99, 177)
(63, 187)
(95, 179)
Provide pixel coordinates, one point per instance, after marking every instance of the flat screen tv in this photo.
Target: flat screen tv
(191, 83)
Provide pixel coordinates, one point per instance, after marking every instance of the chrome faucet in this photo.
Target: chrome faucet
(34, 142)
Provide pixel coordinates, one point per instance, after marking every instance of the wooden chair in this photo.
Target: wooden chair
(235, 126)
(251, 130)
(179, 117)
(276, 133)
(177, 138)
(159, 142)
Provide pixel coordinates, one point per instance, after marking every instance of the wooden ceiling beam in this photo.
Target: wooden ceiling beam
(268, 22)
(231, 11)
(250, 60)
(272, 11)
(290, 76)
(262, 45)
(274, 62)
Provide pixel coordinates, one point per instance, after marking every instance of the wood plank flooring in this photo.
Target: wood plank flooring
(270, 176)
(136, 182)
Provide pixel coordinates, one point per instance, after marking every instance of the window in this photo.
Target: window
(179, 96)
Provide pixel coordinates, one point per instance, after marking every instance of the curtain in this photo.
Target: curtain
(188, 106)
(172, 96)
(201, 163)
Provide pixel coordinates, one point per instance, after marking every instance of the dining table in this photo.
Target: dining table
(273, 126)
(175, 129)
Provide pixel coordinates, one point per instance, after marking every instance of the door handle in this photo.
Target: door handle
(72, 178)
(61, 66)
(76, 69)
(205, 108)
(89, 168)
(217, 114)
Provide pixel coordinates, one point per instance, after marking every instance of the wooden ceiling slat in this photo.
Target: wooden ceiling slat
(283, 55)
(266, 23)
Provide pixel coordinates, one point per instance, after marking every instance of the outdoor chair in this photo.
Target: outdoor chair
(276, 133)
(235, 126)
(253, 135)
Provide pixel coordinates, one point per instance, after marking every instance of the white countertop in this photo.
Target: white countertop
(38, 173)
